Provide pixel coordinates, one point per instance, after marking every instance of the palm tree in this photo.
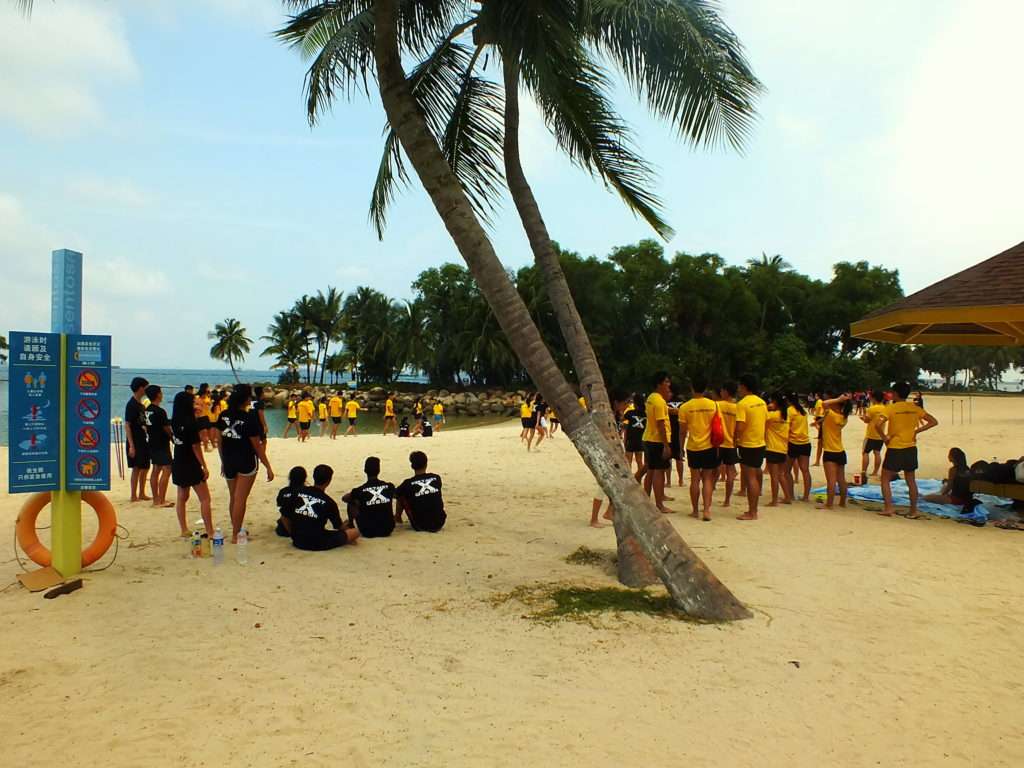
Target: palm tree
(456, 177)
(766, 278)
(287, 343)
(232, 343)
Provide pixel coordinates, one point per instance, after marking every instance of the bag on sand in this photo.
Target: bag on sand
(717, 429)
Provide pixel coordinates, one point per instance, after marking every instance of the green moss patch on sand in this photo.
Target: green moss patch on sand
(588, 556)
(570, 602)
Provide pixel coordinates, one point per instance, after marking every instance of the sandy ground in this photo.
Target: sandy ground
(876, 642)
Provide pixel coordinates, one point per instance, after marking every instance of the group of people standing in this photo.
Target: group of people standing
(737, 425)
(302, 411)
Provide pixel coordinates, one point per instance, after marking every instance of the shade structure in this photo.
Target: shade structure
(981, 306)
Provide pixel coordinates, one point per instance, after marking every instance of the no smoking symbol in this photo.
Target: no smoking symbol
(89, 409)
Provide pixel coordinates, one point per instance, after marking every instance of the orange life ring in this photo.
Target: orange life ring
(29, 541)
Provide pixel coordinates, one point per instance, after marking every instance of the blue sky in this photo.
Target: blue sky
(168, 142)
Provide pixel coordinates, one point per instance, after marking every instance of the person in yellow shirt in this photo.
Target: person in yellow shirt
(798, 451)
(352, 408)
(727, 450)
(695, 417)
(776, 439)
(214, 408)
(526, 418)
(751, 415)
(873, 418)
(306, 408)
(334, 409)
(291, 411)
(321, 414)
(837, 413)
(203, 423)
(658, 439)
(904, 422)
(439, 418)
(819, 417)
(390, 422)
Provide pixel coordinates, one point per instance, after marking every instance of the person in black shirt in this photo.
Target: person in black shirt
(420, 497)
(371, 505)
(286, 499)
(403, 428)
(258, 408)
(240, 448)
(158, 442)
(188, 466)
(310, 513)
(135, 432)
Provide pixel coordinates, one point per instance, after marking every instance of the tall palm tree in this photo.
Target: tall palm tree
(232, 343)
(456, 178)
(766, 278)
(287, 343)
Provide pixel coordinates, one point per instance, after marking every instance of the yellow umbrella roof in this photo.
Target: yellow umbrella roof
(981, 306)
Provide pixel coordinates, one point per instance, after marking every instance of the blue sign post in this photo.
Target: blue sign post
(34, 407)
(87, 418)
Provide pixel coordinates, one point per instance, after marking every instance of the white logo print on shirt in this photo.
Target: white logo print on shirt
(308, 502)
(426, 487)
(377, 495)
(230, 432)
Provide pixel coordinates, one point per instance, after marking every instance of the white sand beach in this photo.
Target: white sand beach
(875, 642)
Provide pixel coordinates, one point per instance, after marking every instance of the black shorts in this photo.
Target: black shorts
(375, 526)
(677, 451)
(751, 457)
(900, 459)
(706, 459)
(304, 425)
(351, 422)
(796, 450)
(141, 458)
(292, 419)
(336, 419)
(555, 420)
(634, 444)
(834, 457)
(527, 423)
(203, 422)
(775, 457)
(653, 456)
(232, 469)
(728, 456)
(326, 540)
(870, 446)
(187, 476)
(160, 457)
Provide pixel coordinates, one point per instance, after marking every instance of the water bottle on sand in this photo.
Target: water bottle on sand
(242, 547)
(218, 547)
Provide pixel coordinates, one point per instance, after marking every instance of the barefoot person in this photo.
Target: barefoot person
(390, 421)
(727, 450)
(956, 489)
(872, 437)
(135, 433)
(205, 401)
(903, 423)
(334, 409)
(311, 512)
(352, 408)
(695, 417)
(634, 420)
(657, 439)
(371, 505)
(776, 438)
(306, 409)
(419, 497)
(291, 409)
(240, 448)
(675, 400)
(798, 451)
(837, 413)
(158, 439)
(819, 417)
(188, 465)
(751, 415)
(321, 415)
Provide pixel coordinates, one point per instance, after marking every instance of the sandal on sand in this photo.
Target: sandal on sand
(916, 516)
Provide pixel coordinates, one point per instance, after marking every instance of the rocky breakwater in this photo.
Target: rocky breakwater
(491, 402)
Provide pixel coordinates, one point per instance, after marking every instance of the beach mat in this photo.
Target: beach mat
(37, 581)
(872, 495)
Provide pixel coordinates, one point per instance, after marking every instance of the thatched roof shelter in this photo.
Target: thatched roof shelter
(981, 306)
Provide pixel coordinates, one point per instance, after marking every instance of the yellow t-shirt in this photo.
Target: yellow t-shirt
(419, 408)
(223, 405)
(752, 412)
(334, 407)
(321, 410)
(291, 409)
(214, 411)
(696, 414)
(657, 411)
(305, 409)
(776, 432)
(525, 411)
(438, 409)
(819, 408)
(904, 418)
(389, 407)
(798, 430)
(624, 421)
(204, 406)
(583, 402)
(832, 431)
(871, 429)
(728, 411)
(352, 409)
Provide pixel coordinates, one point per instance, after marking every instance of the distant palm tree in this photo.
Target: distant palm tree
(766, 277)
(232, 343)
(287, 343)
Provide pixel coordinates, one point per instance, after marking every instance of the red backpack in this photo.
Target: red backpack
(717, 429)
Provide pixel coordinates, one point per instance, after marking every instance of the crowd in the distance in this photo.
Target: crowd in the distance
(172, 449)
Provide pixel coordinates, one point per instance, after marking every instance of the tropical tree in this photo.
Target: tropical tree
(287, 343)
(231, 343)
(766, 279)
(344, 46)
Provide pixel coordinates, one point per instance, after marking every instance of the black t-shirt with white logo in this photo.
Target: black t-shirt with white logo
(636, 423)
(286, 498)
(135, 419)
(426, 506)
(309, 511)
(236, 427)
(374, 507)
(156, 420)
(185, 460)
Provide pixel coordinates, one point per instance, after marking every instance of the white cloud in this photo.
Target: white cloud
(95, 190)
(55, 62)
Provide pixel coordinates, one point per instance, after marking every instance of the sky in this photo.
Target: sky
(168, 142)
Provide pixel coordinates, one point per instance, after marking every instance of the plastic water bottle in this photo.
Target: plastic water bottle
(242, 547)
(218, 547)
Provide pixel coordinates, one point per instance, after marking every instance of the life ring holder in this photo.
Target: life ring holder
(28, 539)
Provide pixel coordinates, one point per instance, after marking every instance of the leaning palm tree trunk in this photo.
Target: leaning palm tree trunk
(633, 568)
(692, 585)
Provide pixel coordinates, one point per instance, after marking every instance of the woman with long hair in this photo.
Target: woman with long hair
(240, 449)
(798, 453)
(216, 406)
(956, 489)
(837, 412)
(540, 409)
(188, 465)
(634, 421)
(203, 422)
(776, 437)
(286, 499)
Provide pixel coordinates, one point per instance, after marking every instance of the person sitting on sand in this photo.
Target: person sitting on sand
(956, 489)
(371, 505)
(403, 428)
(420, 497)
(286, 499)
(312, 510)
